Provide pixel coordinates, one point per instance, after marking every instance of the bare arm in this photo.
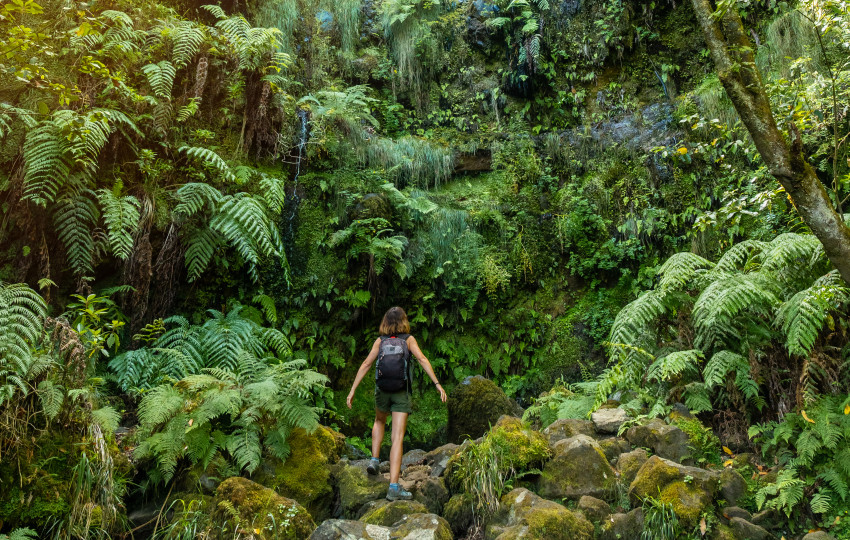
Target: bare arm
(364, 369)
(426, 365)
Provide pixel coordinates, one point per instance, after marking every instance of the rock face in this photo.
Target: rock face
(566, 428)
(622, 526)
(259, 508)
(609, 420)
(578, 467)
(386, 513)
(818, 535)
(613, 447)
(339, 529)
(525, 515)
(689, 489)
(305, 475)
(732, 485)
(475, 405)
(355, 487)
(669, 442)
(422, 527)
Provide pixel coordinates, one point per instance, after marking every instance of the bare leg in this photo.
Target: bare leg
(399, 427)
(378, 432)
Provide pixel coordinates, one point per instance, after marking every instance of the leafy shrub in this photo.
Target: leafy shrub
(562, 401)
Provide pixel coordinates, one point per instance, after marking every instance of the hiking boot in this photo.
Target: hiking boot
(373, 467)
(398, 494)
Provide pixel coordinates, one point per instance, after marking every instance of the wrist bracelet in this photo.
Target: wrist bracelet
(437, 383)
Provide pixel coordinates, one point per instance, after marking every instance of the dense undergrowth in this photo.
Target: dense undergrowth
(211, 206)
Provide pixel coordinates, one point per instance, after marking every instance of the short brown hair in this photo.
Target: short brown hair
(394, 322)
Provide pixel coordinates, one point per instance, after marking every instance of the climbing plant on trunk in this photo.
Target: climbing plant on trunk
(734, 58)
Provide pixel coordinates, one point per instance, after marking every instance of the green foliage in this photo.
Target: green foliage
(226, 341)
(22, 312)
(237, 416)
(758, 295)
(812, 448)
(660, 521)
(20, 534)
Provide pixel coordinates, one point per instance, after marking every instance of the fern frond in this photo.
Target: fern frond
(161, 78)
(675, 364)
(802, 316)
(210, 159)
(716, 310)
(680, 269)
(74, 217)
(122, 219)
(200, 248)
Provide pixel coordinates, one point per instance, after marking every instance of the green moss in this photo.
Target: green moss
(688, 501)
(524, 447)
(243, 504)
(388, 514)
(475, 405)
(355, 488)
(305, 475)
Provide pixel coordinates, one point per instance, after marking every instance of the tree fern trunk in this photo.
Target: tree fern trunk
(734, 59)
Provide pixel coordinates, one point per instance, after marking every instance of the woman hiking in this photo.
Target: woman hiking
(392, 350)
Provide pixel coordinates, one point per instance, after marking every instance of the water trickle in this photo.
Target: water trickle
(294, 199)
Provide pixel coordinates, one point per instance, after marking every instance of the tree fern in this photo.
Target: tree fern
(9, 115)
(721, 303)
(675, 364)
(186, 40)
(195, 196)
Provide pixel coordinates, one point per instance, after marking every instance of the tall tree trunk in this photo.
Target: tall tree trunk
(734, 58)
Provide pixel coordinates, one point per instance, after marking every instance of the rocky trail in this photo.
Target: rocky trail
(591, 483)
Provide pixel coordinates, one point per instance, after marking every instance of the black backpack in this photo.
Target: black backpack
(391, 368)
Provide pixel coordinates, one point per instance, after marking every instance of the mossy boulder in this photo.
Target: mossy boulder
(667, 441)
(432, 492)
(523, 445)
(526, 515)
(474, 405)
(613, 447)
(306, 474)
(458, 512)
(630, 463)
(439, 457)
(689, 489)
(355, 487)
(623, 526)
(566, 428)
(389, 513)
(744, 529)
(343, 529)
(732, 485)
(594, 509)
(240, 503)
(578, 467)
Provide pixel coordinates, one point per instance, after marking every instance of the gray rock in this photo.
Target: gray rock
(413, 457)
(422, 527)
(613, 447)
(578, 467)
(744, 529)
(693, 489)
(566, 428)
(669, 442)
(732, 486)
(594, 509)
(609, 420)
(355, 487)
(388, 514)
(734, 511)
(341, 529)
(432, 492)
(630, 463)
(819, 535)
(623, 526)
(767, 519)
(526, 515)
(438, 458)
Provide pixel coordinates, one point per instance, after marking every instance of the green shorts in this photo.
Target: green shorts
(392, 402)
